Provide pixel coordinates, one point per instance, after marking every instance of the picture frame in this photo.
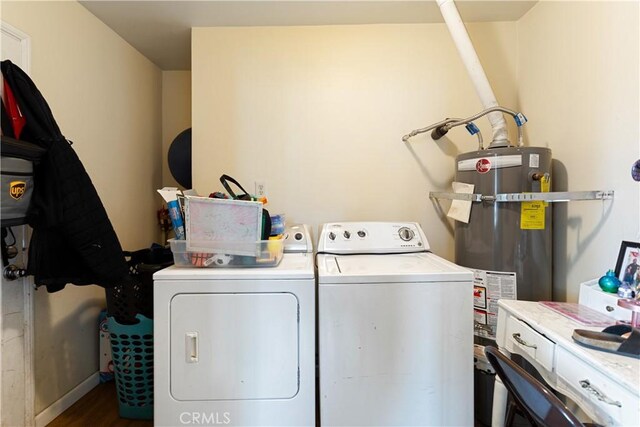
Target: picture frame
(628, 264)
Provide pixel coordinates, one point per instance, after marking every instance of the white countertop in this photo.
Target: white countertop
(623, 369)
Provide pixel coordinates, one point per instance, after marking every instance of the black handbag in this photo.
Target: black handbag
(266, 218)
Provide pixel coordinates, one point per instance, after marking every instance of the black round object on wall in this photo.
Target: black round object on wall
(179, 158)
(635, 171)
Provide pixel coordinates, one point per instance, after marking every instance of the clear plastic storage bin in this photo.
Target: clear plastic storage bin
(264, 253)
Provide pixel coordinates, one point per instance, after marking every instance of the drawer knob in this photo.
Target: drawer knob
(586, 384)
(610, 309)
(516, 336)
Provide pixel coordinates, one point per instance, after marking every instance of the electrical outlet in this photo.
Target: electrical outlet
(261, 189)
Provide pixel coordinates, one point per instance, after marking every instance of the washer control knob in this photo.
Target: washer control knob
(406, 234)
(361, 233)
(332, 236)
(346, 234)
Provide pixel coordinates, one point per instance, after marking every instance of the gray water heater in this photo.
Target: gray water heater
(507, 237)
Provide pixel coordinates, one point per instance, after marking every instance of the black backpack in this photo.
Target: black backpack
(19, 160)
(73, 240)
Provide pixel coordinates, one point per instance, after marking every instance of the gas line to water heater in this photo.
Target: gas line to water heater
(441, 128)
(557, 196)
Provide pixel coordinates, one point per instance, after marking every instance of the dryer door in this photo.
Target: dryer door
(234, 346)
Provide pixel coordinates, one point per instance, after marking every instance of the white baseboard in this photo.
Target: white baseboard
(62, 404)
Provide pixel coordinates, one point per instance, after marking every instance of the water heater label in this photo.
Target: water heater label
(534, 161)
(488, 288)
(532, 215)
(485, 164)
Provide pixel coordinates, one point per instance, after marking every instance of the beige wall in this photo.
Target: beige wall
(176, 114)
(106, 97)
(318, 113)
(578, 83)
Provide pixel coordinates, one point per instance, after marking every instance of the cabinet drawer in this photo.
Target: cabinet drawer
(522, 339)
(603, 302)
(614, 404)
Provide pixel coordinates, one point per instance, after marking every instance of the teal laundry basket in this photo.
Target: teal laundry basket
(132, 354)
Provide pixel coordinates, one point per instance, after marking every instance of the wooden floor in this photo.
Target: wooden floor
(97, 408)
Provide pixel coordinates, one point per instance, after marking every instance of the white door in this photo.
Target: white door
(234, 346)
(16, 318)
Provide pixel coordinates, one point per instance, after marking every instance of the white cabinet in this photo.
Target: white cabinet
(605, 385)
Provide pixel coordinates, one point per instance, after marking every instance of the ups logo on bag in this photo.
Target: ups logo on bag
(16, 189)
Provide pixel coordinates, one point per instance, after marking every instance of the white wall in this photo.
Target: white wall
(578, 83)
(318, 113)
(176, 114)
(106, 97)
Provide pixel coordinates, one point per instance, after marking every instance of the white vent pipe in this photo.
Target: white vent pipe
(475, 70)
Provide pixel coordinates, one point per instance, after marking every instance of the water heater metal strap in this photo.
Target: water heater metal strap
(558, 196)
(456, 196)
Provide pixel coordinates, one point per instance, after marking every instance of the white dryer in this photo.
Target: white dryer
(236, 346)
(395, 329)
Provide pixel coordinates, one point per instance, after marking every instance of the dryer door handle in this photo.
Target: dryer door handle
(191, 347)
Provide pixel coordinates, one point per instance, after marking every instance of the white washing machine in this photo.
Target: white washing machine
(395, 329)
(236, 346)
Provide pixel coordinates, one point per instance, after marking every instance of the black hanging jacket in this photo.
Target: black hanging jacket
(73, 240)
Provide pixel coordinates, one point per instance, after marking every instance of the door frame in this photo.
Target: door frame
(25, 44)
(26, 283)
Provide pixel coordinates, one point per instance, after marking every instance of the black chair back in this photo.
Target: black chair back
(538, 404)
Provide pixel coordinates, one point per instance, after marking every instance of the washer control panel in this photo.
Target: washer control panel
(372, 237)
